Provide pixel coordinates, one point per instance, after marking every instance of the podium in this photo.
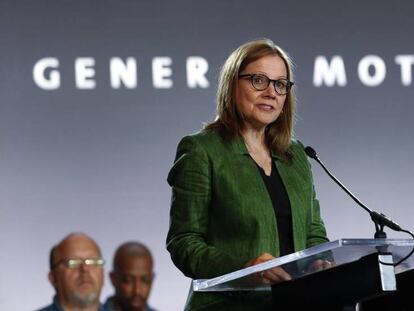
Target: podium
(360, 271)
(400, 300)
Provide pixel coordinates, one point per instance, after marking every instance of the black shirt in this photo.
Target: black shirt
(281, 206)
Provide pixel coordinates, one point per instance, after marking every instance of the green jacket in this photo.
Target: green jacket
(222, 216)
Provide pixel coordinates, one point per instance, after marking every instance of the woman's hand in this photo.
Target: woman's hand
(274, 275)
(320, 264)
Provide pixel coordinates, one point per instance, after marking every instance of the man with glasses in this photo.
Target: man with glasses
(76, 273)
(132, 278)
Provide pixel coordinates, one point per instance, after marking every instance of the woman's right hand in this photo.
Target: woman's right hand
(270, 276)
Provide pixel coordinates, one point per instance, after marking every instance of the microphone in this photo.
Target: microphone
(379, 219)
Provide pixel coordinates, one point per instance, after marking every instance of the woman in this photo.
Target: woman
(242, 190)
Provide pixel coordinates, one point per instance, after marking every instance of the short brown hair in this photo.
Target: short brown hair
(229, 121)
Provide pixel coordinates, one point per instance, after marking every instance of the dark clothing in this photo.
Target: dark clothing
(55, 306)
(112, 305)
(281, 206)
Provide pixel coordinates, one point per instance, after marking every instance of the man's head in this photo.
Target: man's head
(76, 271)
(132, 276)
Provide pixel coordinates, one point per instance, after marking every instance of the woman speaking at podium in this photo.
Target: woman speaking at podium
(242, 189)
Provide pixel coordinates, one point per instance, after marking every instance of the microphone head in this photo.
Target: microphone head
(311, 152)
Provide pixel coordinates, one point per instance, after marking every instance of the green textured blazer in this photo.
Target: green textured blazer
(222, 215)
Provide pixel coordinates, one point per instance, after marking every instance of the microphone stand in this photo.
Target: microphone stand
(380, 220)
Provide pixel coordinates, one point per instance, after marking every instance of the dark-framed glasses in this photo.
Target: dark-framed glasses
(75, 263)
(261, 82)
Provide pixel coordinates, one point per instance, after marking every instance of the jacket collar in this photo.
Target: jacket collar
(239, 147)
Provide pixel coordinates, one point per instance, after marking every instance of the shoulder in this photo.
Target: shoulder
(51, 307)
(150, 309)
(297, 149)
(299, 158)
(105, 307)
(108, 305)
(205, 142)
(200, 152)
(203, 138)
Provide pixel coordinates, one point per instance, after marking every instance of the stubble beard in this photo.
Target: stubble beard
(82, 300)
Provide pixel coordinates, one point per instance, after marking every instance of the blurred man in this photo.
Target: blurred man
(132, 278)
(76, 273)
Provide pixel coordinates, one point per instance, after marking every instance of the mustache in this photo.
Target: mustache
(84, 279)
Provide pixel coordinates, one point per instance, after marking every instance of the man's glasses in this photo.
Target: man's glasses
(75, 263)
(261, 82)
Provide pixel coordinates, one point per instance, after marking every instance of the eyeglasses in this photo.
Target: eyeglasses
(75, 263)
(261, 82)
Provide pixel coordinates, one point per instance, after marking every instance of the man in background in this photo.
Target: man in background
(132, 278)
(76, 273)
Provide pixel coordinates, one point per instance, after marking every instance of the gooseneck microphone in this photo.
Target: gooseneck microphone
(379, 219)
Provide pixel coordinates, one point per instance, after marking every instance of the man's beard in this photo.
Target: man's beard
(84, 300)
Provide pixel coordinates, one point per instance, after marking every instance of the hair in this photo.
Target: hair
(130, 249)
(228, 119)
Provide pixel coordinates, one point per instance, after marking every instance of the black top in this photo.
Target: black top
(281, 206)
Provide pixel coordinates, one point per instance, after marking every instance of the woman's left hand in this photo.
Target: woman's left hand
(270, 276)
(320, 264)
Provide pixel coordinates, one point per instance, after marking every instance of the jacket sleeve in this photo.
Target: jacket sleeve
(316, 232)
(187, 240)
(316, 229)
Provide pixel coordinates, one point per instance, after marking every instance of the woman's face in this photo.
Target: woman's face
(260, 108)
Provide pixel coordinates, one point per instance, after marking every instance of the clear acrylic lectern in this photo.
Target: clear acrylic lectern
(360, 269)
